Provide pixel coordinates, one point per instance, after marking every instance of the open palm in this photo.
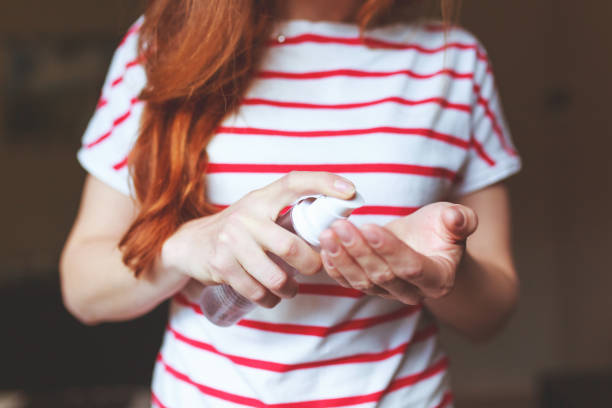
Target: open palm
(408, 259)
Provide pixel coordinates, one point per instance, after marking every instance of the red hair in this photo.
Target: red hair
(200, 56)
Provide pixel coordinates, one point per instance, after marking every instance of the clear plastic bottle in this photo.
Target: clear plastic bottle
(308, 218)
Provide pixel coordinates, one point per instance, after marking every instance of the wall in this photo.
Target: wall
(588, 277)
(552, 60)
(39, 174)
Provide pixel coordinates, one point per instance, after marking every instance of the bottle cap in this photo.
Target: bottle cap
(313, 215)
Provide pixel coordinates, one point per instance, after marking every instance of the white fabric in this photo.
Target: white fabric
(395, 164)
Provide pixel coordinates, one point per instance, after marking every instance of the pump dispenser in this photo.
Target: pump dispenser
(308, 218)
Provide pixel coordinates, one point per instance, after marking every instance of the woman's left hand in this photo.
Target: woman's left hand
(410, 259)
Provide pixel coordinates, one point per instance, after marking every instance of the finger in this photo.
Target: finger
(296, 184)
(254, 260)
(376, 268)
(336, 274)
(407, 264)
(460, 221)
(230, 272)
(345, 265)
(331, 269)
(444, 219)
(268, 273)
(289, 247)
(248, 287)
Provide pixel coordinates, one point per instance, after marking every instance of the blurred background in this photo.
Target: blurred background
(553, 60)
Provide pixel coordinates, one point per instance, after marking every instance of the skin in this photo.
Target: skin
(426, 257)
(225, 248)
(338, 10)
(470, 284)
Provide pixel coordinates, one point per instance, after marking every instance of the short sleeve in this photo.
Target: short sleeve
(114, 126)
(491, 156)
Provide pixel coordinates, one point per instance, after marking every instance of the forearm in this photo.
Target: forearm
(481, 301)
(98, 287)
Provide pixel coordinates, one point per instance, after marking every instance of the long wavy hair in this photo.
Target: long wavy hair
(200, 56)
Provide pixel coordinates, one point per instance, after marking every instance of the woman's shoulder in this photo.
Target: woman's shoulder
(433, 42)
(429, 35)
(114, 126)
(128, 46)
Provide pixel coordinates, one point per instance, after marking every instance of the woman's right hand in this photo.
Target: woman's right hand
(230, 247)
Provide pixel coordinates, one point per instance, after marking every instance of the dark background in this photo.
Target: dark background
(552, 59)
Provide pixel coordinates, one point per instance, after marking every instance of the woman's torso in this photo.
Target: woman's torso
(394, 120)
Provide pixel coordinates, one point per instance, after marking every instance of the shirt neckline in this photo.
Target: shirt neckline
(288, 27)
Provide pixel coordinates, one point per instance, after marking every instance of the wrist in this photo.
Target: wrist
(482, 300)
(165, 277)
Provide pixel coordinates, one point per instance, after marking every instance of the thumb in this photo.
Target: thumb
(459, 221)
(297, 184)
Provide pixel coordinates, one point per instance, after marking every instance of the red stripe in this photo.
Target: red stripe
(428, 133)
(115, 124)
(361, 74)
(365, 210)
(134, 63)
(482, 56)
(446, 400)
(335, 168)
(394, 99)
(182, 300)
(407, 381)
(494, 122)
(323, 331)
(481, 152)
(328, 290)
(101, 103)
(384, 210)
(226, 396)
(156, 401)
(317, 331)
(121, 164)
(283, 368)
(133, 30)
(369, 42)
(376, 43)
(346, 168)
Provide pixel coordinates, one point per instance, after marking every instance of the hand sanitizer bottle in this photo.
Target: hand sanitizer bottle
(312, 215)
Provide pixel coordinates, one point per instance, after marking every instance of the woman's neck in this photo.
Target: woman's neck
(319, 10)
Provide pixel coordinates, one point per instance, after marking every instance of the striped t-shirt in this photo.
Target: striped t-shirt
(411, 115)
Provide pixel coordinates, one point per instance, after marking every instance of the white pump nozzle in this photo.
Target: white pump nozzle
(312, 217)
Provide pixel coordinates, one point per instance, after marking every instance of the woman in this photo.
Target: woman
(230, 111)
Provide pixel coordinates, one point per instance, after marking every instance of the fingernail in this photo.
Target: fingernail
(372, 237)
(460, 219)
(294, 292)
(345, 234)
(326, 260)
(343, 186)
(330, 245)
